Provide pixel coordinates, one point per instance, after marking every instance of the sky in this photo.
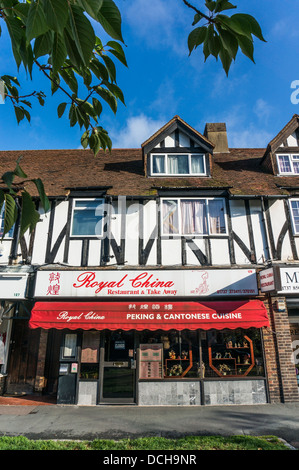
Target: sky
(162, 81)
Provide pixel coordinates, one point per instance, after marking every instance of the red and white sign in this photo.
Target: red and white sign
(147, 283)
(149, 315)
(267, 280)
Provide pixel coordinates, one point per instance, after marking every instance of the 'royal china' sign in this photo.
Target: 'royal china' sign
(147, 283)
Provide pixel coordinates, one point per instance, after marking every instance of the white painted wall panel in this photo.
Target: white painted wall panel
(75, 250)
(5, 247)
(220, 252)
(40, 239)
(132, 234)
(171, 252)
(259, 234)
(94, 254)
(190, 256)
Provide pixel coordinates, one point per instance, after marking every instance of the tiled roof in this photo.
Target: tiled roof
(123, 170)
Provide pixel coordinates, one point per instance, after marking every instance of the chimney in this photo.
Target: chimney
(216, 133)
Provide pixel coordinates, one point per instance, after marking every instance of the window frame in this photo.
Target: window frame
(167, 154)
(292, 215)
(291, 160)
(74, 208)
(7, 236)
(180, 233)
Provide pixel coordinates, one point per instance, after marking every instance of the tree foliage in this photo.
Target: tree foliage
(57, 37)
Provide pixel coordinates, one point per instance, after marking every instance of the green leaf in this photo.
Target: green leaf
(246, 46)
(41, 191)
(19, 112)
(70, 79)
(29, 214)
(10, 213)
(225, 58)
(108, 97)
(254, 26)
(196, 37)
(59, 52)
(83, 33)
(234, 24)
(223, 5)
(8, 178)
(117, 51)
(61, 109)
(229, 42)
(18, 170)
(110, 18)
(16, 33)
(91, 7)
(43, 44)
(117, 92)
(85, 139)
(97, 106)
(36, 23)
(110, 67)
(56, 13)
(99, 69)
(197, 18)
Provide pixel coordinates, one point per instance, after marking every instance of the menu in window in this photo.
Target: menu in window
(90, 347)
(151, 361)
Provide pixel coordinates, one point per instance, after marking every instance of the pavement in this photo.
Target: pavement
(38, 418)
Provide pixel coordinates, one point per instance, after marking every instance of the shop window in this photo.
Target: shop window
(176, 164)
(288, 164)
(87, 218)
(201, 354)
(193, 216)
(176, 354)
(233, 353)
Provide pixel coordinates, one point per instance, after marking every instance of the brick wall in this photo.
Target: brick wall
(281, 374)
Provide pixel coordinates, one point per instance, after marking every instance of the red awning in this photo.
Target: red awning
(149, 315)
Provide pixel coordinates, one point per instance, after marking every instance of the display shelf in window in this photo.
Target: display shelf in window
(151, 360)
(178, 366)
(236, 360)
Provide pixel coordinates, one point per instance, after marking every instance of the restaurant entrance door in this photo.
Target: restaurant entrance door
(118, 369)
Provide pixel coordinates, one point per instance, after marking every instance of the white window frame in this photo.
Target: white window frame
(189, 154)
(74, 208)
(6, 236)
(292, 215)
(291, 160)
(180, 233)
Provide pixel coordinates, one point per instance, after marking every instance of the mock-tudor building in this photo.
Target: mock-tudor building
(162, 275)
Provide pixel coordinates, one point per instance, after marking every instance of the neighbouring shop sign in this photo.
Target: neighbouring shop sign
(13, 285)
(289, 278)
(149, 315)
(147, 283)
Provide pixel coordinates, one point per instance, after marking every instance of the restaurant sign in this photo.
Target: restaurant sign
(147, 283)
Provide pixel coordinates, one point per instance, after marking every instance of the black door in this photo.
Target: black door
(118, 368)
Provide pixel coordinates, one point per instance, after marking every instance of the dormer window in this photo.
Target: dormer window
(173, 164)
(288, 164)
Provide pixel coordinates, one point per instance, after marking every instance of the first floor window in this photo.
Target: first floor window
(295, 214)
(87, 217)
(193, 216)
(2, 215)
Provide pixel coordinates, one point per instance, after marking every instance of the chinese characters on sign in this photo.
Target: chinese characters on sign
(54, 284)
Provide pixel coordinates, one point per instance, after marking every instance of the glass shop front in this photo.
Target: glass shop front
(156, 353)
